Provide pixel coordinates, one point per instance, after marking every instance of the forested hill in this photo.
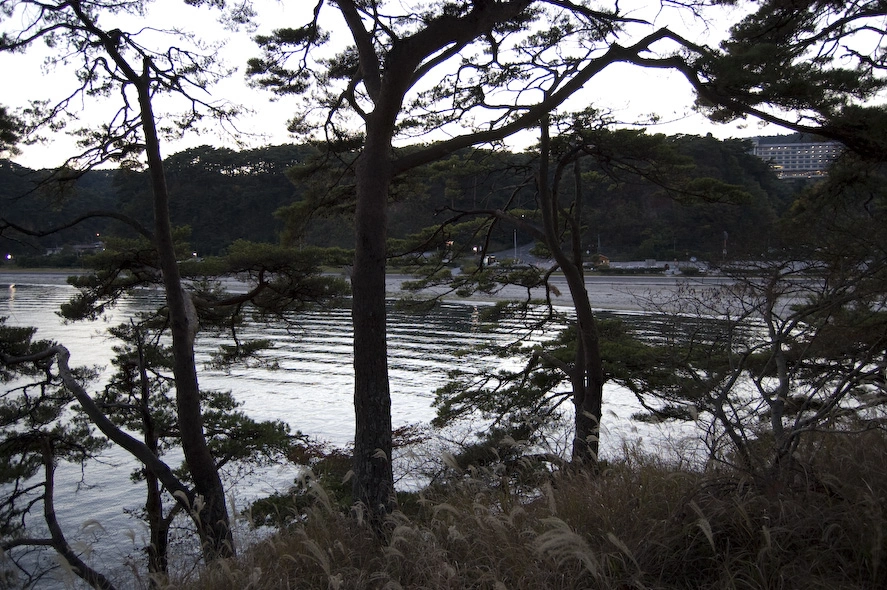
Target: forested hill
(222, 194)
(225, 195)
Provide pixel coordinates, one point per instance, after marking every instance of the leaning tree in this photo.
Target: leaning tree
(112, 60)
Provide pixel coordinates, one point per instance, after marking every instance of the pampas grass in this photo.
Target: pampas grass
(635, 523)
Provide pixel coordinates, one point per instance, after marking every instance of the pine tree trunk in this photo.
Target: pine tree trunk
(373, 477)
(587, 376)
(213, 522)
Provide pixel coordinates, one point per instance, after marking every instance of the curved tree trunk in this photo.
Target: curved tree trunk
(213, 523)
(158, 527)
(212, 512)
(59, 542)
(373, 477)
(587, 377)
(588, 373)
(588, 381)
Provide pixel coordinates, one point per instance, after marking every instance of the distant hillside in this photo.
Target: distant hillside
(225, 195)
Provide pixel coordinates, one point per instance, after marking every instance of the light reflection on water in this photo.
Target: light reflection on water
(314, 374)
(311, 390)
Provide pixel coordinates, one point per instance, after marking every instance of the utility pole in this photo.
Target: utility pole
(515, 244)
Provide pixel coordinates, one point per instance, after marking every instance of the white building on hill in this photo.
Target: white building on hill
(797, 159)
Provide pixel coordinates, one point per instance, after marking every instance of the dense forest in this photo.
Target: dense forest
(224, 195)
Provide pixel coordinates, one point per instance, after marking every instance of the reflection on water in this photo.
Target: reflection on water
(312, 386)
(311, 389)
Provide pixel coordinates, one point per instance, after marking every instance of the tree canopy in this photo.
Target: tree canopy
(10, 130)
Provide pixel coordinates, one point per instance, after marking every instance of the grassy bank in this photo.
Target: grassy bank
(639, 523)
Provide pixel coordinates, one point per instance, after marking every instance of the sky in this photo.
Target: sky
(631, 94)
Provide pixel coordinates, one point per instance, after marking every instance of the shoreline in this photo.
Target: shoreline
(630, 293)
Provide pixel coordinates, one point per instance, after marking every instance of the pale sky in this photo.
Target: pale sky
(629, 92)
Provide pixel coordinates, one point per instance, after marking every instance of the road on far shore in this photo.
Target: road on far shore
(617, 293)
(606, 292)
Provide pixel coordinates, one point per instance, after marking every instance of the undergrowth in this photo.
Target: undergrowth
(634, 523)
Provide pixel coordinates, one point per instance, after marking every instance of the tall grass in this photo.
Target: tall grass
(636, 523)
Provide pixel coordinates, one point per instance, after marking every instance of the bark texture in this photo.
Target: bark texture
(587, 374)
(213, 521)
(373, 477)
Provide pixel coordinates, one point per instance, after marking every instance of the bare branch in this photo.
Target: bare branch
(131, 222)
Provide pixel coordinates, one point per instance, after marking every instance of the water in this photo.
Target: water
(311, 390)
